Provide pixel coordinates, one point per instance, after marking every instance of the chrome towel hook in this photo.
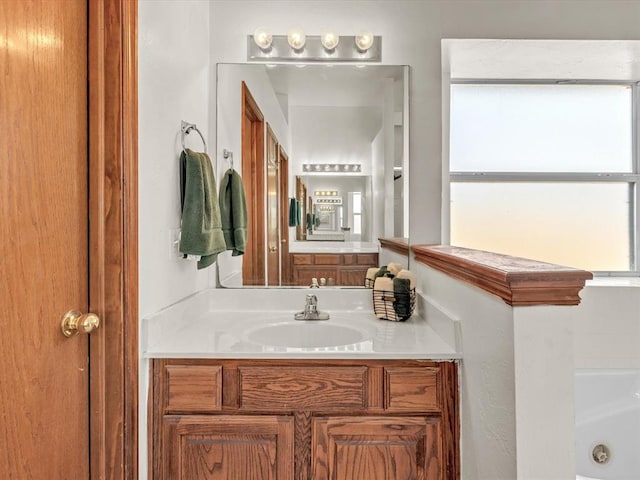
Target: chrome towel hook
(228, 154)
(186, 127)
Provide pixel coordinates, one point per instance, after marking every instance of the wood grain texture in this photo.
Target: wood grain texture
(518, 281)
(437, 458)
(44, 246)
(272, 167)
(113, 237)
(376, 448)
(410, 389)
(228, 448)
(398, 245)
(302, 444)
(290, 388)
(285, 257)
(346, 269)
(253, 174)
(193, 388)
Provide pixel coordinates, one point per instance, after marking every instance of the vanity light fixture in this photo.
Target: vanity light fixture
(296, 38)
(298, 47)
(326, 193)
(332, 167)
(262, 38)
(330, 40)
(364, 41)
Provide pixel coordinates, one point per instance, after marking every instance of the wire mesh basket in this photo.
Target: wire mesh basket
(368, 282)
(394, 306)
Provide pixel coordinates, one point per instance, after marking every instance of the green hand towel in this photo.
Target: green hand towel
(233, 209)
(402, 303)
(201, 225)
(293, 215)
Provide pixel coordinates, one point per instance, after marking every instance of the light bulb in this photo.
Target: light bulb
(262, 38)
(296, 38)
(330, 40)
(364, 41)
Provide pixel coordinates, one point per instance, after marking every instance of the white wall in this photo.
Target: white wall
(333, 135)
(607, 324)
(412, 31)
(480, 326)
(174, 85)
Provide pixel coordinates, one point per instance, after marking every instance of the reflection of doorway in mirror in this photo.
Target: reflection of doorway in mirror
(273, 217)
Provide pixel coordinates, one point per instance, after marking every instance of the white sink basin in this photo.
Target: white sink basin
(308, 334)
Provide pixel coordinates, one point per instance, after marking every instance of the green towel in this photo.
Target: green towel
(293, 214)
(201, 225)
(402, 297)
(233, 209)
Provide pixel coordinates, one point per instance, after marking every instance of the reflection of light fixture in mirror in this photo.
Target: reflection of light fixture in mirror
(364, 41)
(335, 201)
(296, 38)
(262, 38)
(326, 193)
(330, 40)
(332, 167)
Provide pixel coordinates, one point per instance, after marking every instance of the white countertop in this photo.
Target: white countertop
(210, 325)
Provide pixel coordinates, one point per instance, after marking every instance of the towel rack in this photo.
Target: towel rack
(186, 127)
(228, 154)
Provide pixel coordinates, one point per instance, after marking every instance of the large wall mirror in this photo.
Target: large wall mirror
(323, 153)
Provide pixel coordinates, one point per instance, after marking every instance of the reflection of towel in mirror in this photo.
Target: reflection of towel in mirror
(233, 209)
(293, 214)
(201, 224)
(298, 212)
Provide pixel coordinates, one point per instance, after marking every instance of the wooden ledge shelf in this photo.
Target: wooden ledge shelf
(397, 244)
(518, 281)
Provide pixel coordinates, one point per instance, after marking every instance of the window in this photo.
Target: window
(546, 171)
(357, 212)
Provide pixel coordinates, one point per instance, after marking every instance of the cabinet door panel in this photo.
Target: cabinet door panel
(228, 448)
(376, 448)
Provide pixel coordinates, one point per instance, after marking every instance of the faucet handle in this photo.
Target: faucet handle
(314, 283)
(312, 300)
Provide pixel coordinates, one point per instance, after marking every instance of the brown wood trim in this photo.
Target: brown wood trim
(396, 244)
(253, 173)
(518, 281)
(113, 207)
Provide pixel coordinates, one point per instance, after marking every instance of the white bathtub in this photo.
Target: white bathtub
(608, 413)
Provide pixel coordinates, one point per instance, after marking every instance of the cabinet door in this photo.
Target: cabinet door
(376, 448)
(197, 447)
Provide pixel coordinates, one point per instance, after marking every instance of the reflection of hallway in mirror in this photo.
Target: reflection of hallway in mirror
(273, 218)
(253, 178)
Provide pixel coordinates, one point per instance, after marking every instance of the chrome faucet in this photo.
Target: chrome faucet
(311, 311)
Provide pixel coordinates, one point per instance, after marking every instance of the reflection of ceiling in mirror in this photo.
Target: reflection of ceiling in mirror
(324, 85)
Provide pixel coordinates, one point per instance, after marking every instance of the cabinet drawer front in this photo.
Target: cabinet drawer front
(410, 389)
(193, 388)
(310, 388)
(370, 259)
(302, 259)
(327, 259)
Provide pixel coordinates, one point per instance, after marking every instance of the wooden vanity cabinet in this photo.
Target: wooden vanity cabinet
(347, 269)
(304, 420)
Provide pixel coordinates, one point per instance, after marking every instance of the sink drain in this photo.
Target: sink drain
(601, 454)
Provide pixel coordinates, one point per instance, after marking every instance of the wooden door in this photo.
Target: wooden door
(376, 448)
(253, 172)
(273, 211)
(198, 447)
(285, 260)
(44, 223)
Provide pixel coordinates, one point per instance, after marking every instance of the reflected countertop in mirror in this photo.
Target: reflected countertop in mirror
(323, 153)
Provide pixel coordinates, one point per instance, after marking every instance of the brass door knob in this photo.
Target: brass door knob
(273, 248)
(74, 322)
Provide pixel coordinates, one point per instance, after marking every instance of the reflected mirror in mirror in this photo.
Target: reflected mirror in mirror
(322, 151)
